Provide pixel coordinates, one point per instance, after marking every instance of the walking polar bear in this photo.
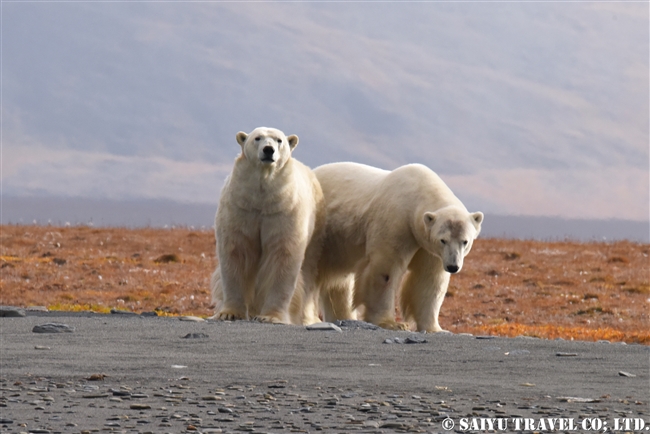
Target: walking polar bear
(387, 229)
(271, 208)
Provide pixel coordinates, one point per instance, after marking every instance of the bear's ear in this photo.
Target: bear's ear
(293, 141)
(477, 218)
(241, 138)
(429, 219)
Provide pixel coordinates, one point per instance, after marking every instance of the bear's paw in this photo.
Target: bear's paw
(270, 319)
(393, 325)
(228, 315)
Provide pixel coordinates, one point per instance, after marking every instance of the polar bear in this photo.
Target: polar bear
(403, 228)
(271, 208)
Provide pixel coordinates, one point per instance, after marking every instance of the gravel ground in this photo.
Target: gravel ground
(134, 374)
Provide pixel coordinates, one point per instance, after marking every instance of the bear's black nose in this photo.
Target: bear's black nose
(452, 268)
(268, 150)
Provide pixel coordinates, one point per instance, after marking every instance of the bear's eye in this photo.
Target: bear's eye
(257, 139)
(464, 242)
(443, 241)
(280, 141)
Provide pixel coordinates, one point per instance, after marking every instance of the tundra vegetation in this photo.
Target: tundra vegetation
(547, 289)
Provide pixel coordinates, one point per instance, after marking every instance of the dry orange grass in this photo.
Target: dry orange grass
(585, 291)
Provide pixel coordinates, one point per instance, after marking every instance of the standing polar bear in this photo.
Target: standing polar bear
(404, 227)
(271, 207)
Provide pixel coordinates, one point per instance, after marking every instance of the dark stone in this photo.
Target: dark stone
(413, 339)
(11, 312)
(195, 336)
(352, 324)
(122, 312)
(152, 313)
(53, 328)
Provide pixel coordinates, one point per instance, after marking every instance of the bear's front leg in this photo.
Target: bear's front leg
(423, 291)
(336, 298)
(284, 241)
(376, 287)
(237, 264)
(277, 279)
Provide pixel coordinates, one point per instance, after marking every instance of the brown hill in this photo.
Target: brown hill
(586, 291)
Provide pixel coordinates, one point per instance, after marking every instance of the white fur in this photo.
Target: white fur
(271, 207)
(403, 228)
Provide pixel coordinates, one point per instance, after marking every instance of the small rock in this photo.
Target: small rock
(53, 328)
(195, 336)
(625, 374)
(11, 312)
(41, 347)
(352, 324)
(576, 399)
(5, 421)
(38, 431)
(97, 377)
(191, 318)
(211, 398)
(527, 384)
(393, 425)
(122, 312)
(140, 407)
(566, 354)
(324, 326)
(414, 339)
(152, 313)
(517, 353)
(37, 309)
(95, 395)
(59, 261)
(485, 337)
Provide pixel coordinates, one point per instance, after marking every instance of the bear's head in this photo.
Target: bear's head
(267, 147)
(451, 232)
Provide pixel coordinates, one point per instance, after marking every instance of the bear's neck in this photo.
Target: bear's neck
(267, 186)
